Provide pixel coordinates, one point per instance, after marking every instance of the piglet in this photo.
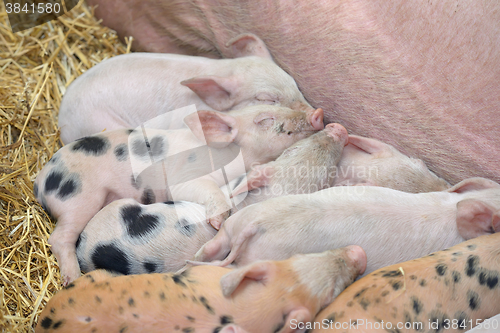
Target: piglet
(331, 158)
(447, 291)
(130, 238)
(265, 296)
(87, 174)
(367, 161)
(391, 226)
(127, 90)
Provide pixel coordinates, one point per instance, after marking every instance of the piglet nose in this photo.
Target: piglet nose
(337, 132)
(315, 118)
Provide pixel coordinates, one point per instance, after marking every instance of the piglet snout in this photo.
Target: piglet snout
(315, 118)
(337, 132)
(358, 257)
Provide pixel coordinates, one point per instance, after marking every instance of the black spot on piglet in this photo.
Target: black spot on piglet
(416, 305)
(112, 258)
(69, 188)
(473, 300)
(138, 224)
(177, 278)
(185, 228)
(58, 324)
(392, 274)
(207, 306)
(91, 145)
(487, 277)
(441, 269)
(148, 197)
(53, 181)
(46, 323)
(462, 320)
(121, 152)
(150, 267)
(158, 146)
(471, 265)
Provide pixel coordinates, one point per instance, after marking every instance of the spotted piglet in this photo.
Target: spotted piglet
(87, 174)
(448, 291)
(263, 297)
(130, 238)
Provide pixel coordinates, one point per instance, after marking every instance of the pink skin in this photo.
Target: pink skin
(460, 283)
(256, 298)
(423, 77)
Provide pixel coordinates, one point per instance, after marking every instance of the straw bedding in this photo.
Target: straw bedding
(36, 67)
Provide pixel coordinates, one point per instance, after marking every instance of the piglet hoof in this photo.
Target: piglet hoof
(66, 279)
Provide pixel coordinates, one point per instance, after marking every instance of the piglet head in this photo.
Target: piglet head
(328, 273)
(265, 131)
(308, 281)
(262, 132)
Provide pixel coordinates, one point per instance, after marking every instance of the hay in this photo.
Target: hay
(36, 66)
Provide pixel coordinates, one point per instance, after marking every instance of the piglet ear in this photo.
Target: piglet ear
(370, 146)
(217, 92)
(473, 184)
(216, 128)
(476, 218)
(260, 176)
(258, 271)
(245, 45)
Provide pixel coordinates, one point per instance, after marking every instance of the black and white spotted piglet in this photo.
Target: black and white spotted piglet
(130, 238)
(86, 175)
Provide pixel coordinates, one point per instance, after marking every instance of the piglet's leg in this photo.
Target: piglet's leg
(63, 239)
(205, 192)
(63, 246)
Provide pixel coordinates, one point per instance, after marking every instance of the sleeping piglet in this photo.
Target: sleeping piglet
(131, 238)
(87, 174)
(332, 158)
(392, 226)
(127, 90)
(264, 297)
(449, 291)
